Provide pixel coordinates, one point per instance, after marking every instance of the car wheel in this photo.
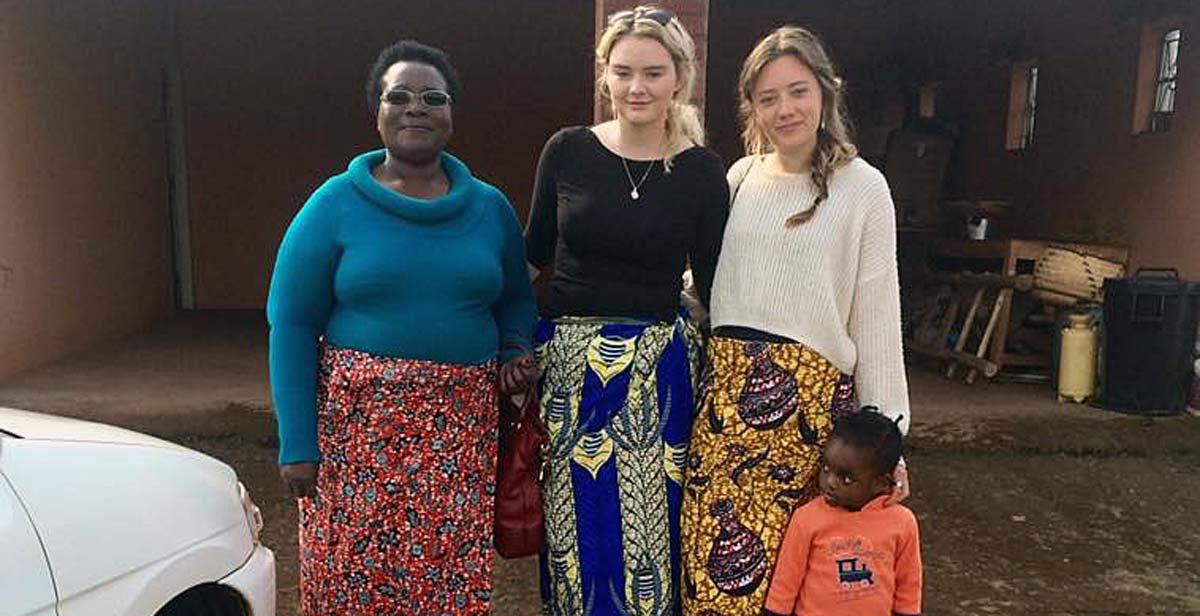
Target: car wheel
(206, 600)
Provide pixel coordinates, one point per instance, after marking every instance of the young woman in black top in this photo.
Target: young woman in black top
(619, 211)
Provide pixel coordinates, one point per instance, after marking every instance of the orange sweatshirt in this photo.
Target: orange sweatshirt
(833, 561)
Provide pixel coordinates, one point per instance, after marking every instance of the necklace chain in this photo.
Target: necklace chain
(633, 193)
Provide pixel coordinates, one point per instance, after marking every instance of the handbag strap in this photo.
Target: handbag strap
(738, 184)
(529, 407)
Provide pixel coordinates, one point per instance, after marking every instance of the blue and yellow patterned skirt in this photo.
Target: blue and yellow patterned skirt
(617, 401)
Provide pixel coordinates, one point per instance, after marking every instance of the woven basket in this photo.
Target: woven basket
(1066, 272)
(1056, 299)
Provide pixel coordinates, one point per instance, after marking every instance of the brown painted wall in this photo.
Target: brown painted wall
(275, 106)
(860, 35)
(1085, 172)
(84, 227)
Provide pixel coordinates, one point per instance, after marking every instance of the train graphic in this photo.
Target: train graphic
(853, 573)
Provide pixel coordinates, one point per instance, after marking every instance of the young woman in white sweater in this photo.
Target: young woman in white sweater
(806, 323)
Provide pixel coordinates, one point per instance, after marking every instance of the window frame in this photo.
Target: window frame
(1166, 85)
(1148, 113)
(1024, 87)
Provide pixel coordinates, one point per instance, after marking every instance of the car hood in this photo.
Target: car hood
(42, 427)
(112, 507)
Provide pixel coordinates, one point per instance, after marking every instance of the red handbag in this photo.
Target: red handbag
(519, 527)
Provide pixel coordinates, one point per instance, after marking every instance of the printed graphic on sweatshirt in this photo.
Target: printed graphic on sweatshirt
(854, 558)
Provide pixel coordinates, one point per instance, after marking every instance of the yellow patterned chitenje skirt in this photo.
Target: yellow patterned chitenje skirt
(765, 412)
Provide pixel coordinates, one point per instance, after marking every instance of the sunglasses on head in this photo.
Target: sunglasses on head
(429, 98)
(661, 17)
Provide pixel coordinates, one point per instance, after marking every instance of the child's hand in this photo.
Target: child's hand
(901, 488)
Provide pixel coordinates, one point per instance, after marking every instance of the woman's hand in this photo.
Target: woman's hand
(518, 374)
(300, 478)
(901, 488)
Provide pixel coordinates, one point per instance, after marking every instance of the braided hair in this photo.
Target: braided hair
(834, 146)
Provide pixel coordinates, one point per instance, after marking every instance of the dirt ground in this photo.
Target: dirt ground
(1026, 506)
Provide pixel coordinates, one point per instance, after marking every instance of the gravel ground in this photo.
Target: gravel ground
(1026, 506)
(1053, 516)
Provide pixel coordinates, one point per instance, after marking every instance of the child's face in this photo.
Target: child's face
(848, 477)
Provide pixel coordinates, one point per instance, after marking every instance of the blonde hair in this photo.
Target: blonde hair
(683, 118)
(834, 146)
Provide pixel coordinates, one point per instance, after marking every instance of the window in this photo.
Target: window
(1157, 69)
(1164, 93)
(1030, 113)
(1022, 105)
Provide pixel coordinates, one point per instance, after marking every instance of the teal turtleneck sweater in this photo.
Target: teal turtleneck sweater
(372, 270)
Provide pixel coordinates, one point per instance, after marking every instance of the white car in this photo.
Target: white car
(100, 521)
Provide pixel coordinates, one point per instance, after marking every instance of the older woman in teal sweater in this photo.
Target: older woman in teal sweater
(399, 302)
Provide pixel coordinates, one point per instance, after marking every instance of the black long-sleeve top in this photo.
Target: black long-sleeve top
(613, 255)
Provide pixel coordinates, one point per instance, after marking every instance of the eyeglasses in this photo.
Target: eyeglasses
(661, 17)
(429, 98)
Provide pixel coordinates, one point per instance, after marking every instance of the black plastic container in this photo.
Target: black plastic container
(1149, 333)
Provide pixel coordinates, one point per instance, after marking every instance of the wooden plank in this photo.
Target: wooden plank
(988, 368)
(1002, 301)
(966, 330)
(975, 363)
(1021, 282)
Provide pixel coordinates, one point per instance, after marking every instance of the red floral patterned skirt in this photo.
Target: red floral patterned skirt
(402, 522)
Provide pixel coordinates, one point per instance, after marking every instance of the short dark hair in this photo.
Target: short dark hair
(411, 51)
(870, 430)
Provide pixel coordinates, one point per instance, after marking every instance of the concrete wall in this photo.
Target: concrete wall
(1086, 174)
(84, 228)
(275, 105)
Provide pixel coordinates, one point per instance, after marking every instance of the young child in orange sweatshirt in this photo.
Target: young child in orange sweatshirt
(847, 552)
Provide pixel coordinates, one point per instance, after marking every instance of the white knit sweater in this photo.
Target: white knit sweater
(830, 283)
